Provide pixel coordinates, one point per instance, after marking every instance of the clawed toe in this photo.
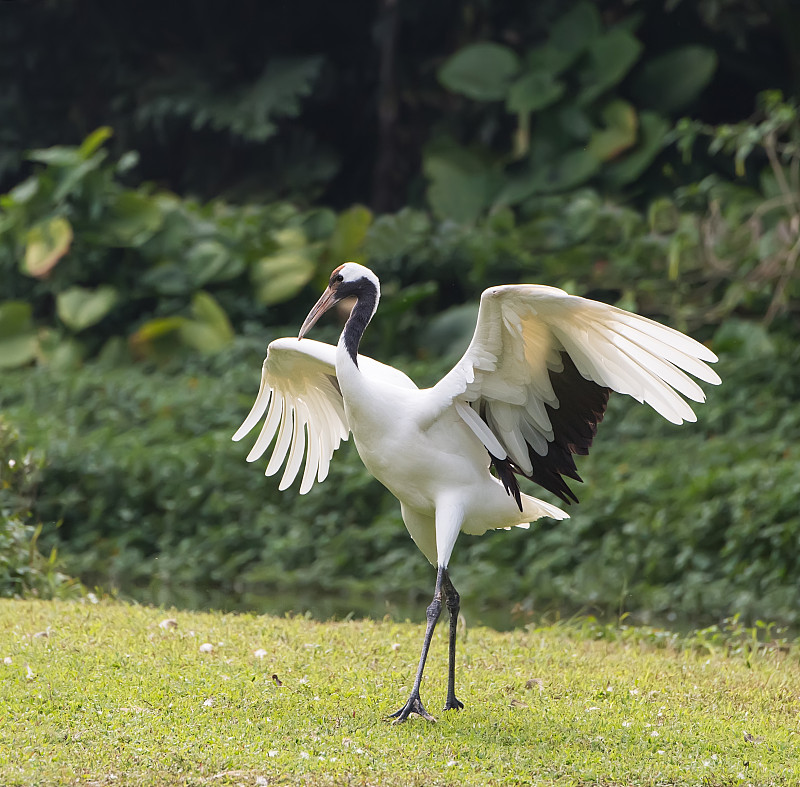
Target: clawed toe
(453, 704)
(414, 705)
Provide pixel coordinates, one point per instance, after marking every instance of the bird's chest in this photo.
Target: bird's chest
(391, 446)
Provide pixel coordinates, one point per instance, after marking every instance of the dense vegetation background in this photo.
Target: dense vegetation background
(178, 180)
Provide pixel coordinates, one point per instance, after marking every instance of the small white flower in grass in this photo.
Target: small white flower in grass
(206, 647)
(208, 703)
(627, 723)
(29, 673)
(261, 781)
(395, 646)
(92, 598)
(260, 653)
(304, 755)
(168, 623)
(272, 753)
(609, 689)
(634, 691)
(12, 462)
(654, 734)
(660, 751)
(593, 707)
(451, 763)
(8, 660)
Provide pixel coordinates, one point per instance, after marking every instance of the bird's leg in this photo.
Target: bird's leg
(453, 602)
(414, 704)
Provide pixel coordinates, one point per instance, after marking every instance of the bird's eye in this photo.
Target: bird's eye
(339, 277)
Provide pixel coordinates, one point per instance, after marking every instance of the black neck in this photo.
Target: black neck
(358, 320)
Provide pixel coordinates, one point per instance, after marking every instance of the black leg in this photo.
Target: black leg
(414, 704)
(453, 601)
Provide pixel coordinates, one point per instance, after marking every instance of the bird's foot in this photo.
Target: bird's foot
(414, 705)
(453, 704)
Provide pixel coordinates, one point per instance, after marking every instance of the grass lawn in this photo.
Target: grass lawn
(114, 694)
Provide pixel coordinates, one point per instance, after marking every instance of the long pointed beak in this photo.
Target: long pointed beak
(328, 299)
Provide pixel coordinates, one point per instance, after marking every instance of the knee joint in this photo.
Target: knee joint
(453, 601)
(434, 609)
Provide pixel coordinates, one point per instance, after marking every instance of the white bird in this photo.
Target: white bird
(527, 395)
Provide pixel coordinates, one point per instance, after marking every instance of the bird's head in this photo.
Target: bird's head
(347, 281)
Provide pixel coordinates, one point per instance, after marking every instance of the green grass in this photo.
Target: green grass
(102, 694)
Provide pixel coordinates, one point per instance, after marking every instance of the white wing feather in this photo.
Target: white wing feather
(300, 395)
(520, 335)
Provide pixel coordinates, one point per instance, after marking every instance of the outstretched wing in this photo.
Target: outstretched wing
(534, 382)
(300, 395)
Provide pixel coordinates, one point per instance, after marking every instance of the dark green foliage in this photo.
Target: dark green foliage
(102, 267)
(699, 520)
(24, 571)
(513, 142)
(573, 120)
(268, 100)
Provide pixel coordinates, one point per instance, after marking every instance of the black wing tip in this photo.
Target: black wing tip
(505, 472)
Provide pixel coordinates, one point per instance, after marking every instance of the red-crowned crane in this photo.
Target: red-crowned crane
(527, 395)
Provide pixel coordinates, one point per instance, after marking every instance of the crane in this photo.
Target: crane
(525, 397)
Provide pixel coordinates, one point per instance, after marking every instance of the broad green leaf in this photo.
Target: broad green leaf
(482, 72)
(533, 91)
(652, 133)
(290, 238)
(127, 161)
(567, 172)
(15, 318)
(348, 237)
(671, 81)
(168, 278)
(210, 330)
(201, 336)
(281, 276)
(550, 58)
(25, 191)
(66, 354)
(610, 59)
(71, 178)
(57, 156)
(449, 332)
(156, 336)
(394, 235)
(46, 243)
(211, 261)
(17, 351)
(18, 342)
(153, 329)
(746, 338)
(79, 307)
(94, 141)
(319, 224)
(205, 309)
(573, 32)
(461, 184)
(618, 135)
(135, 218)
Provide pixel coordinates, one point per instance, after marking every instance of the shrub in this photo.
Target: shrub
(154, 495)
(23, 570)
